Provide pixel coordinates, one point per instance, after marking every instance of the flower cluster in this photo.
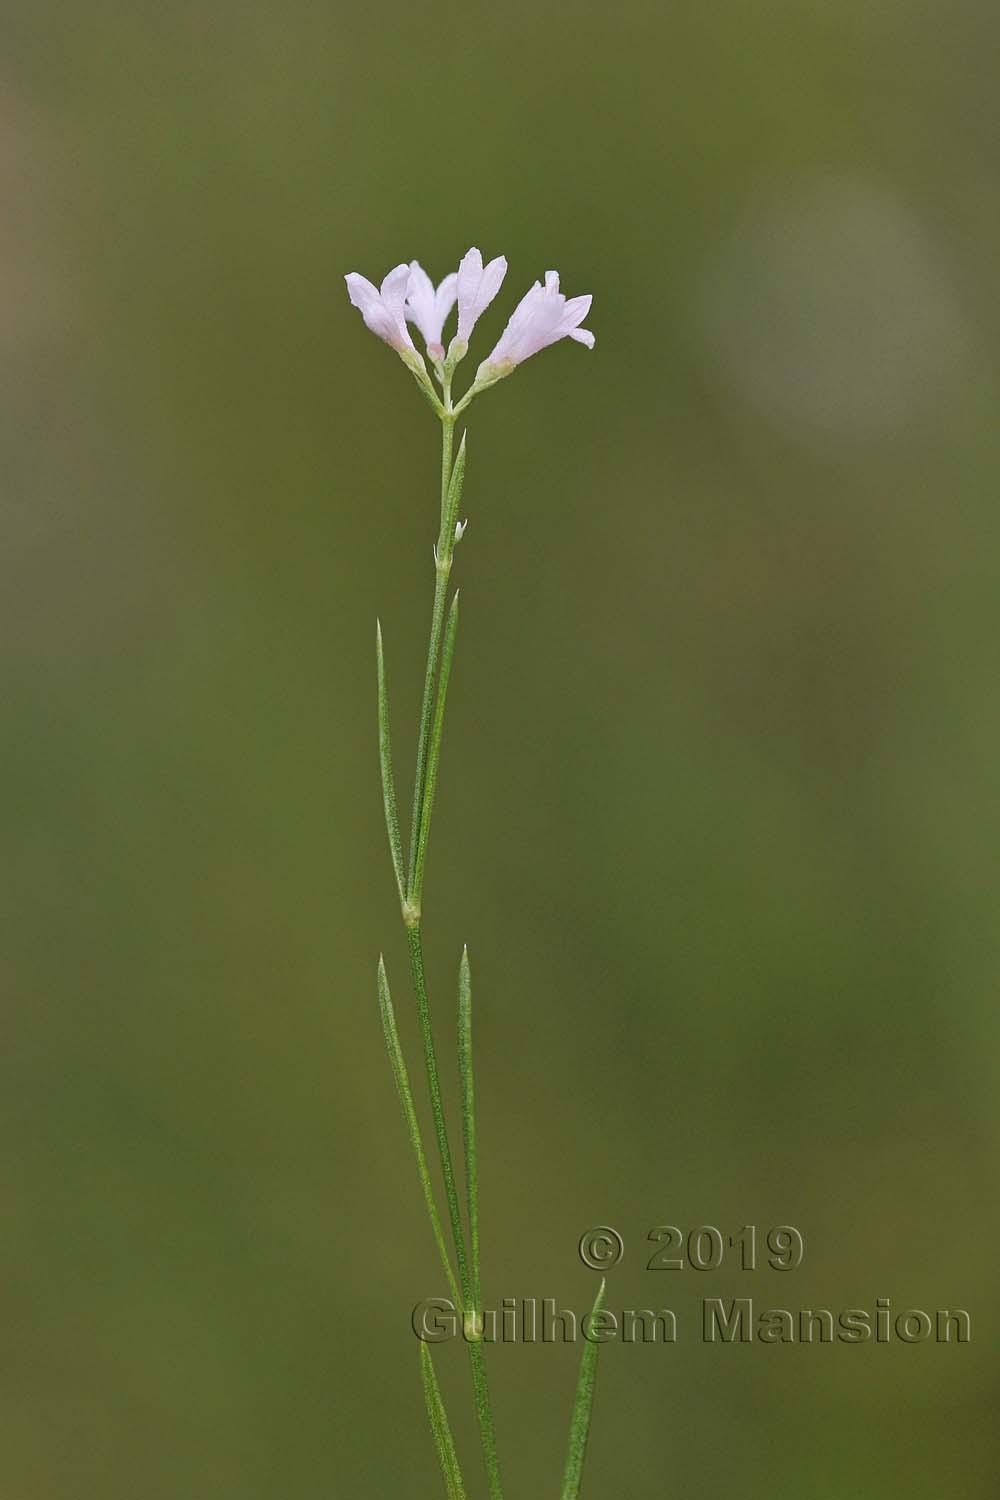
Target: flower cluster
(542, 317)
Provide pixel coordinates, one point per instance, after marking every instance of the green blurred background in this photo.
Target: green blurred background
(718, 813)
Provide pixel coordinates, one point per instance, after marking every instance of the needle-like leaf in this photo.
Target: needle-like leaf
(439, 1427)
(402, 1078)
(434, 750)
(385, 764)
(579, 1427)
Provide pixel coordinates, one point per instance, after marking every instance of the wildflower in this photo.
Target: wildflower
(383, 308)
(429, 308)
(477, 286)
(542, 317)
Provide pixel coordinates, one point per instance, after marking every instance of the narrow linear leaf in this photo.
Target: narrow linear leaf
(402, 1078)
(385, 765)
(439, 1427)
(579, 1427)
(426, 716)
(434, 749)
(455, 487)
(468, 1090)
(417, 972)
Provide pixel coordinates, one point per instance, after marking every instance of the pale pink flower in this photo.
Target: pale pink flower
(542, 317)
(477, 286)
(429, 308)
(383, 308)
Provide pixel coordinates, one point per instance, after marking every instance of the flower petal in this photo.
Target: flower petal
(476, 288)
(542, 317)
(446, 293)
(420, 286)
(576, 310)
(360, 290)
(394, 287)
(420, 300)
(470, 270)
(383, 310)
(492, 281)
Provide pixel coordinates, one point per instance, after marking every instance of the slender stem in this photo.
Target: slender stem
(428, 745)
(484, 1416)
(480, 1386)
(468, 1087)
(402, 1077)
(447, 429)
(484, 1412)
(468, 398)
(434, 753)
(415, 942)
(443, 569)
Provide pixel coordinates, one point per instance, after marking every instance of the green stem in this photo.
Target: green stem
(468, 1089)
(434, 753)
(415, 943)
(431, 721)
(442, 569)
(484, 1416)
(447, 430)
(480, 1386)
(402, 1077)
(481, 1392)
(440, 1428)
